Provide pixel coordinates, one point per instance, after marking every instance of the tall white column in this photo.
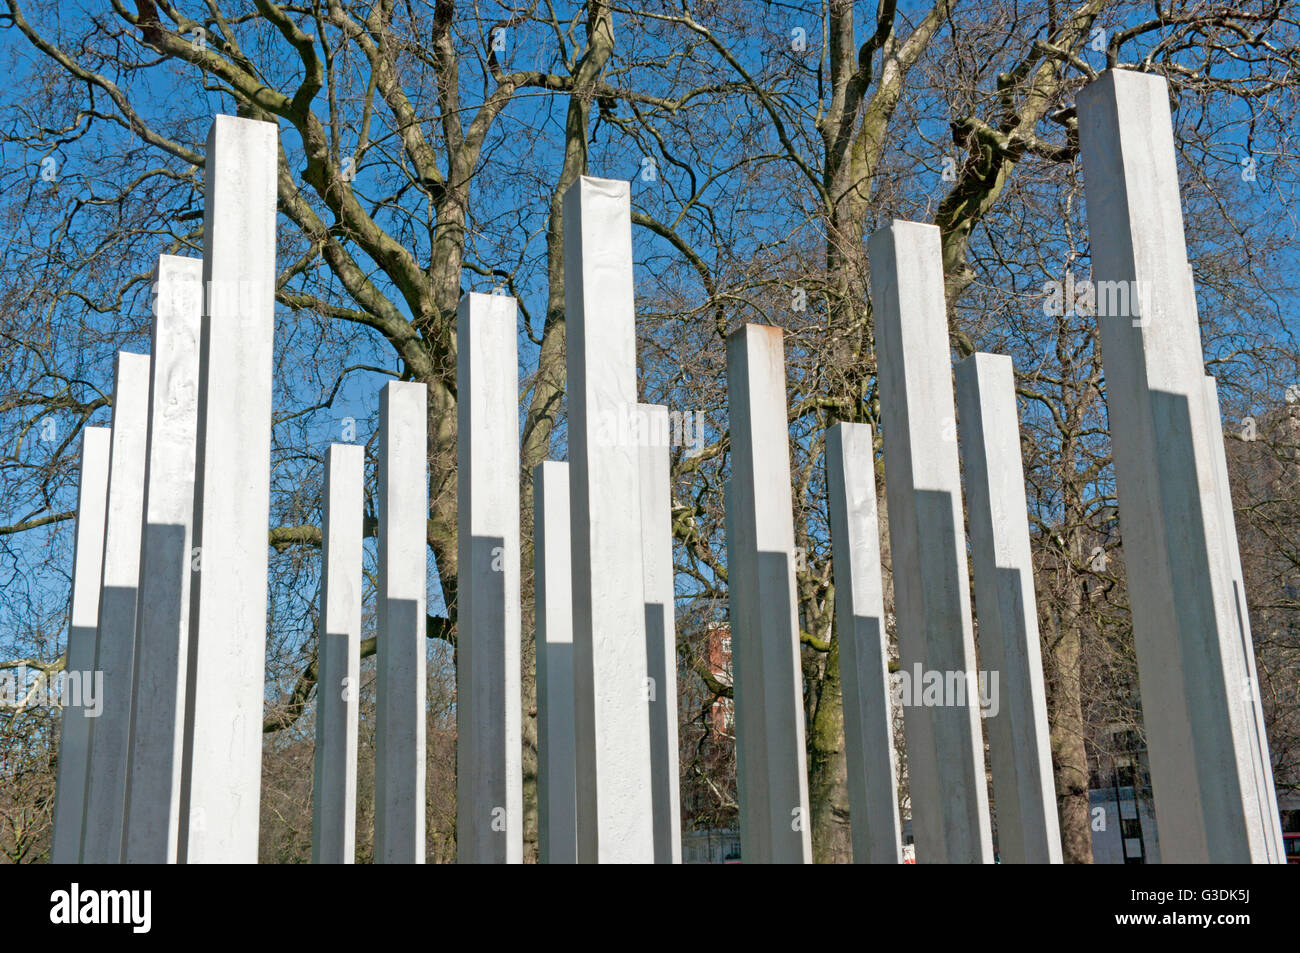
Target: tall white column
(1266, 798)
(1019, 739)
(101, 837)
(334, 793)
(403, 588)
(945, 750)
(660, 628)
(227, 655)
(78, 670)
(771, 769)
(864, 646)
(489, 752)
(553, 609)
(1210, 787)
(615, 812)
(157, 738)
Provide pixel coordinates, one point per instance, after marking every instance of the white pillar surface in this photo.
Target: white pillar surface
(489, 752)
(78, 670)
(334, 793)
(1019, 740)
(945, 748)
(156, 747)
(553, 610)
(227, 655)
(771, 769)
(403, 587)
(661, 632)
(1210, 787)
(615, 817)
(101, 836)
(864, 646)
(1267, 799)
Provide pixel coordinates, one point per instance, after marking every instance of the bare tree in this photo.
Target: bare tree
(425, 148)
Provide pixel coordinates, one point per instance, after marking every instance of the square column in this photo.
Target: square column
(101, 836)
(660, 628)
(221, 791)
(334, 793)
(611, 723)
(489, 745)
(936, 644)
(1266, 794)
(1019, 737)
(553, 610)
(771, 766)
(1207, 777)
(156, 751)
(400, 709)
(78, 670)
(864, 645)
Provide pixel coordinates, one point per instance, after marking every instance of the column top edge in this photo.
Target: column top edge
(242, 123)
(767, 330)
(469, 296)
(405, 385)
(188, 262)
(904, 225)
(1115, 78)
(855, 428)
(986, 359)
(351, 449)
(607, 188)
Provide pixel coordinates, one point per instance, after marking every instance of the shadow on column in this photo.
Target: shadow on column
(74, 746)
(157, 678)
(397, 799)
(558, 791)
(942, 554)
(1204, 673)
(106, 781)
(662, 755)
(1027, 836)
(876, 831)
(782, 708)
(481, 758)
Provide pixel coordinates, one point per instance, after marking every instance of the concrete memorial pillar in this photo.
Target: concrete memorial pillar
(101, 836)
(403, 590)
(661, 633)
(489, 766)
(334, 793)
(936, 645)
(771, 771)
(1210, 779)
(553, 610)
(864, 646)
(1019, 739)
(80, 694)
(227, 655)
(611, 723)
(156, 747)
(1247, 678)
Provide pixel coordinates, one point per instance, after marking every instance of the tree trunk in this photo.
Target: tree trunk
(828, 770)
